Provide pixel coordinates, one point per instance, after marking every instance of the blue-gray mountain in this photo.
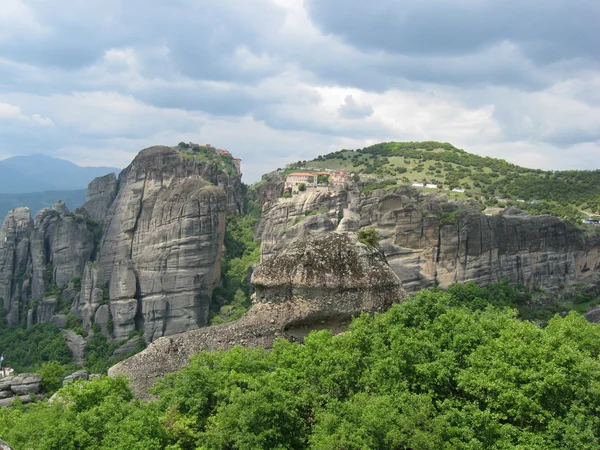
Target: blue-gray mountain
(36, 173)
(39, 200)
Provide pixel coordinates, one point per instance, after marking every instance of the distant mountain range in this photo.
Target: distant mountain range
(39, 181)
(37, 173)
(39, 200)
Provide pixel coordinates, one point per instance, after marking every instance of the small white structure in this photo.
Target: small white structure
(6, 371)
(458, 190)
(431, 186)
(418, 185)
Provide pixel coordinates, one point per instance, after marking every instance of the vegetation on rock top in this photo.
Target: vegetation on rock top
(493, 181)
(208, 154)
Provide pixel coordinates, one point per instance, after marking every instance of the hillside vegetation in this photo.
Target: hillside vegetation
(443, 370)
(494, 181)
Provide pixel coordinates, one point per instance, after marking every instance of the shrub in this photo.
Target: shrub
(369, 236)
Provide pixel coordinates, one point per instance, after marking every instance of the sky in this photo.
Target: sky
(276, 81)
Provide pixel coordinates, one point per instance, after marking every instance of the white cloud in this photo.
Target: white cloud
(12, 112)
(275, 82)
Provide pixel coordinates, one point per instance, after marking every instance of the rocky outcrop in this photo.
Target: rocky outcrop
(144, 252)
(268, 189)
(21, 386)
(79, 375)
(26, 384)
(326, 277)
(303, 215)
(128, 347)
(162, 244)
(317, 282)
(34, 255)
(15, 264)
(429, 240)
(101, 193)
(76, 344)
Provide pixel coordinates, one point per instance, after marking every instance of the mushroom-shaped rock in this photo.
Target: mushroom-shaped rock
(328, 276)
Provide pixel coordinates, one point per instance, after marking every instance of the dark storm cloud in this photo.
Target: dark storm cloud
(547, 31)
(272, 74)
(524, 44)
(201, 36)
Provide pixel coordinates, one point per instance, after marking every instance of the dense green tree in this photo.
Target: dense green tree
(442, 370)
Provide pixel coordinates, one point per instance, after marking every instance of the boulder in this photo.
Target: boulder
(6, 394)
(79, 375)
(23, 398)
(127, 347)
(26, 384)
(324, 277)
(5, 382)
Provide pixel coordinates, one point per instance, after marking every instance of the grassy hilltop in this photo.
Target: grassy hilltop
(563, 193)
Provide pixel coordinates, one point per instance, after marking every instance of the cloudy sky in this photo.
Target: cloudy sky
(274, 81)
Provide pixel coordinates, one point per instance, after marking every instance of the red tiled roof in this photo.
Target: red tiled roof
(301, 174)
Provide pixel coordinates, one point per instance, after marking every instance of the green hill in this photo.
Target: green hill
(493, 181)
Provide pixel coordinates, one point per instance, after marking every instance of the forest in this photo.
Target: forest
(455, 369)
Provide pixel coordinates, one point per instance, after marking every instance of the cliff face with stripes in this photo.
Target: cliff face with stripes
(429, 240)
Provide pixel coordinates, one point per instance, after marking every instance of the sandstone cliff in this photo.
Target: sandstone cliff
(35, 255)
(429, 240)
(144, 251)
(317, 282)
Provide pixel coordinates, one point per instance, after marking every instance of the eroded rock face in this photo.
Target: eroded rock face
(327, 276)
(144, 252)
(317, 282)
(26, 384)
(429, 240)
(91, 295)
(53, 249)
(14, 260)
(162, 244)
(101, 193)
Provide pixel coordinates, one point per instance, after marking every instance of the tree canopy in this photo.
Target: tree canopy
(443, 370)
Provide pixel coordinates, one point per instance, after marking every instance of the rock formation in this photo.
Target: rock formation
(143, 253)
(52, 250)
(429, 240)
(325, 277)
(23, 386)
(162, 244)
(101, 193)
(317, 282)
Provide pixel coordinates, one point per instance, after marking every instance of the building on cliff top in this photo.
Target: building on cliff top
(237, 162)
(293, 180)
